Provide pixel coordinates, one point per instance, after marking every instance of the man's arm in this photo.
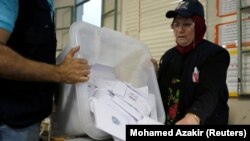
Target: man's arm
(14, 66)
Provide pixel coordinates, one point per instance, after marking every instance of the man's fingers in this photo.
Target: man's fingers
(84, 79)
(73, 51)
(82, 61)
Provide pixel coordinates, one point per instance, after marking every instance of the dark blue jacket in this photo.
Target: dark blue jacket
(208, 98)
(23, 103)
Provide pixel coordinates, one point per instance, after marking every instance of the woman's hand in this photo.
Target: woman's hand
(156, 67)
(189, 119)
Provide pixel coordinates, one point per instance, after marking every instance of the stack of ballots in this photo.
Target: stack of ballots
(122, 88)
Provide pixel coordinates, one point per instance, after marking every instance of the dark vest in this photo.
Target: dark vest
(196, 58)
(23, 103)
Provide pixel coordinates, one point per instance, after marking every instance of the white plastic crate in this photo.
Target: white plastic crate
(130, 61)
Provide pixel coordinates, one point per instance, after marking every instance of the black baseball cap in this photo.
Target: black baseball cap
(187, 8)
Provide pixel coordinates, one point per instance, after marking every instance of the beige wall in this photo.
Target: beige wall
(212, 19)
(108, 20)
(61, 3)
(63, 20)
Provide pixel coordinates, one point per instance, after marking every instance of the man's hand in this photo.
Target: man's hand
(73, 70)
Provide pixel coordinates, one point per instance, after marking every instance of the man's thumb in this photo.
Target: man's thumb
(73, 51)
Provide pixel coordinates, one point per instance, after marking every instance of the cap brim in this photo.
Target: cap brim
(171, 14)
(183, 13)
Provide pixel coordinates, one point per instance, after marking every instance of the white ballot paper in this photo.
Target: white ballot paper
(121, 104)
(111, 119)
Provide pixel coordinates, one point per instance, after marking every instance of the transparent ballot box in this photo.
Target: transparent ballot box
(118, 63)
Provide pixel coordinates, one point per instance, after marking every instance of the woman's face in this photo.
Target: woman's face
(183, 30)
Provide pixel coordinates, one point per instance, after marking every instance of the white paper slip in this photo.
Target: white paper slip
(138, 102)
(134, 89)
(151, 101)
(119, 88)
(105, 83)
(143, 90)
(148, 121)
(127, 107)
(111, 120)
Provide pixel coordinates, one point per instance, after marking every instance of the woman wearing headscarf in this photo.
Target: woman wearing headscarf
(192, 75)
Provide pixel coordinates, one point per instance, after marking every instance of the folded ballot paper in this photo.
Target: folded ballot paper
(122, 88)
(121, 104)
